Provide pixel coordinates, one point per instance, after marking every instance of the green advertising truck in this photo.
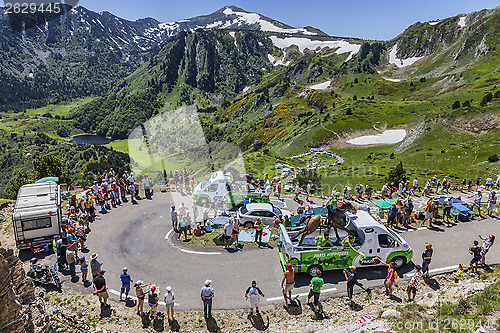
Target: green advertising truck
(372, 240)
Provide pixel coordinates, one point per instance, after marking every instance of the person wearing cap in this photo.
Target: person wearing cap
(100, 288)
(95, 266)
(426, 259)
(259, 226)
(487, 244)
(207, 294)
(139, 292)
(459, 273)
(169, 303)
(125, 279)
(228, 232)
(301, 208)
(153, 301)
(477, 202)
(253, 294)
(492, 202)
(288, 283)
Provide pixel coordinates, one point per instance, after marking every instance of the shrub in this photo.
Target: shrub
(455, 105)
(493, 158)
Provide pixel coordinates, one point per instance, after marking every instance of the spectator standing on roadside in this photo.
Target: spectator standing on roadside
(100, 288)
(350, 276)
(487, 243)
(84, 268)
(477, 202)
(139, 292)
(71, 259)
(228, 233)
(169, 303)
(297, 192)
(426, 259)
(95, 266)
(125, 279)
(287, 283)
(315, 285)
(475, 250)
(415, 280)
(390, 278)
(146, 182)
(492, 201)
(253, 294)
(207, 294)
(259, 226)
(153, 301)
(236, 231)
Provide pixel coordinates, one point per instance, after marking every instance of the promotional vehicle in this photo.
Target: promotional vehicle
(373, 240)
(37, 214)
(224, 186)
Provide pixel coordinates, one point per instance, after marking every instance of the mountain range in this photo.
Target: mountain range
(272, 89)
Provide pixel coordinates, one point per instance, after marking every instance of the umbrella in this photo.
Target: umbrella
(47, 179)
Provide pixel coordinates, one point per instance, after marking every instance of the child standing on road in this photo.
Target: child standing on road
(253, 294)
(390, 278)
(169, 301)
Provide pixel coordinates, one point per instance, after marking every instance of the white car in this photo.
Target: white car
(249, 213)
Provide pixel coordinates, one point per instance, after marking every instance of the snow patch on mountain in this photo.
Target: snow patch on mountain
(252, 18)
(461, 21)
(434, 23)
(393, 59)
(321, 86)
(303, 43)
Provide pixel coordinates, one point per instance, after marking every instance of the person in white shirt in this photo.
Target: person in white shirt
(489, 183)
(95, 188)
(228, 232)
(169, 303)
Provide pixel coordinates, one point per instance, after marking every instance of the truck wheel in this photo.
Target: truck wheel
(399, 261)
(313, 269)
(203, 201)
(248, 225)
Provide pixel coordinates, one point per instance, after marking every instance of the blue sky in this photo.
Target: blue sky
(368, 19)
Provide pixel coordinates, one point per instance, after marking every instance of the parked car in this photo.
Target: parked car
(249, 213)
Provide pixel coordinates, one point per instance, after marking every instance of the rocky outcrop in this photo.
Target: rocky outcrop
(15, 289)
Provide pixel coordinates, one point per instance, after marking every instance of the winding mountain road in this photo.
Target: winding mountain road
(140, 238)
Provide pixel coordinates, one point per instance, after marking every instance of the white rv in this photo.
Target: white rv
(37, 214)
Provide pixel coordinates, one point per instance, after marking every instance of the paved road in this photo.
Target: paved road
(134, 236)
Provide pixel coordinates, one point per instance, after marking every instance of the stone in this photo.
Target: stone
(391, 313)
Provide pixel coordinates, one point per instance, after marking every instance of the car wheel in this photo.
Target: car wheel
(312, 270)
(203, 201)
(248, 225)
(399, 261)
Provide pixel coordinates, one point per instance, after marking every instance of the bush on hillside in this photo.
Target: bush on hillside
(493, 158)
(455, 105)
(396, 175)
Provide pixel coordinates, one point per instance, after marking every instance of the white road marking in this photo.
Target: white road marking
(437, 270)
(117, 293)
(167, 238)
(299, 295)
(412, 229)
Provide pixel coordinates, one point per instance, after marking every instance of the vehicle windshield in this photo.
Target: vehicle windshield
(204, 183)
(276, 211)
(396, 236)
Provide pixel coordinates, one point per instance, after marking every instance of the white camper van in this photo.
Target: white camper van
(37, 214)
